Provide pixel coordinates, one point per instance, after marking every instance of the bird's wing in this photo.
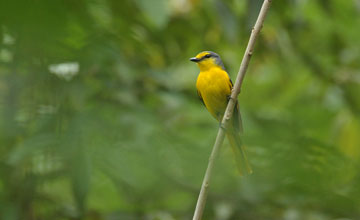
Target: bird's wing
(238, 120)
(236, 115)
(200, 97)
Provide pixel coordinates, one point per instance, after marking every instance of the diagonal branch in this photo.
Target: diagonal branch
(200, 205)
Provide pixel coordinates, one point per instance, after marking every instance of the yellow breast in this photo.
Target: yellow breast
(214, 86)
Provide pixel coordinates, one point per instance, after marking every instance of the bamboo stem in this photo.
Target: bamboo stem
(200, 205)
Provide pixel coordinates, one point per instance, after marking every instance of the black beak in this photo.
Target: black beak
(194, 59)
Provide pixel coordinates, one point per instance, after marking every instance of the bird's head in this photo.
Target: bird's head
(208, 59)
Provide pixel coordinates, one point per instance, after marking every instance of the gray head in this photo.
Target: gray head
(207, 59)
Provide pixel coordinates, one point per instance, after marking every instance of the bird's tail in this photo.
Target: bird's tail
(239, 153)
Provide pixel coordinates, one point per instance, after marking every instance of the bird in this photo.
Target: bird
(214, 88)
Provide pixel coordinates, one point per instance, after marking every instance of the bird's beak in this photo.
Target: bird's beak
(194, 59)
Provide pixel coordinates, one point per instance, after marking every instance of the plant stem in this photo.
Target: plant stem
(200, 205)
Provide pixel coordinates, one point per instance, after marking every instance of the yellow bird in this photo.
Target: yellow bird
(214, 89)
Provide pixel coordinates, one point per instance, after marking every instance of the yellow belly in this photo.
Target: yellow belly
(214, 87)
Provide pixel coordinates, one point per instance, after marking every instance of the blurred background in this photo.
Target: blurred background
(100, 119)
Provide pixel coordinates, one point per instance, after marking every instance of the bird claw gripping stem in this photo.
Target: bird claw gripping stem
(222, 126)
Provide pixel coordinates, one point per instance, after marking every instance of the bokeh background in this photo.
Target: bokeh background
(99, 116)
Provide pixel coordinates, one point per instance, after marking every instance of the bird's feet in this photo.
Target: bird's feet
(222, 126)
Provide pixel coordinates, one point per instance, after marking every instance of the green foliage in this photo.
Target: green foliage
(99, 117)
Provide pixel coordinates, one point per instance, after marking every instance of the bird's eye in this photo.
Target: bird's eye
(207, 56)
